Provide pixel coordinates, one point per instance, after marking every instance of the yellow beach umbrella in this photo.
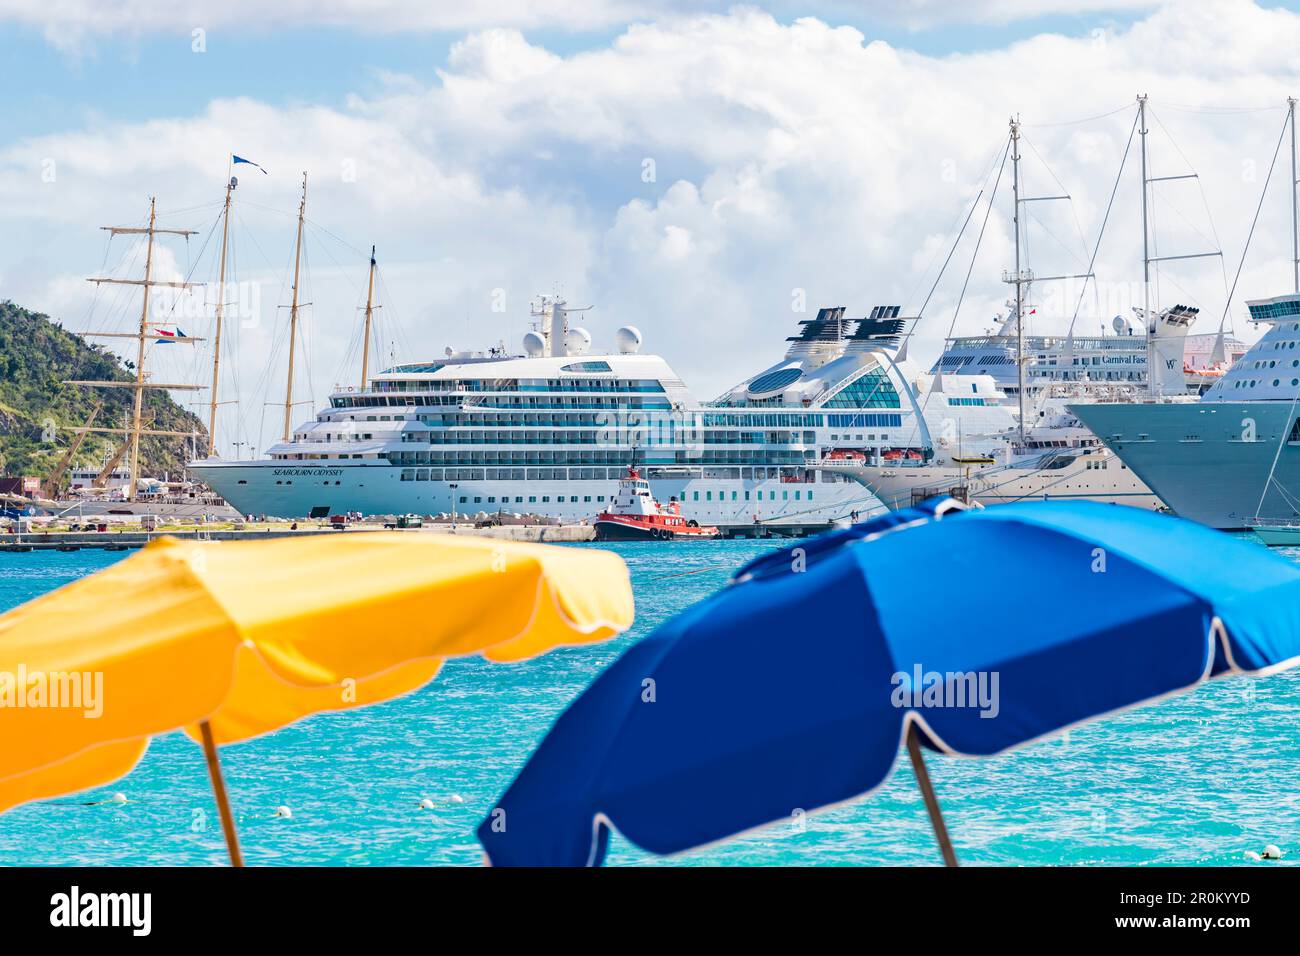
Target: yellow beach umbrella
(234, 639)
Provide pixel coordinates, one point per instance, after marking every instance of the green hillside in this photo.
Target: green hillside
(36, 356)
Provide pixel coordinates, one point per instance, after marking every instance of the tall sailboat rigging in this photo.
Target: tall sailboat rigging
(143, 336)
(219, 308)
(1228, 460)
(370, 309)
(293, 314)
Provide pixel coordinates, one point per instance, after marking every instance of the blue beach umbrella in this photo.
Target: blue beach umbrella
(794, 686)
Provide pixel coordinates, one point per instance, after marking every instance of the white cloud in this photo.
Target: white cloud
(784, 160)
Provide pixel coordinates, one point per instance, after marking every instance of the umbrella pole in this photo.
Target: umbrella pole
(219, 790)
(927, 791)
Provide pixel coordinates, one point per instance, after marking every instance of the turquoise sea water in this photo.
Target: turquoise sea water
(1194, 780)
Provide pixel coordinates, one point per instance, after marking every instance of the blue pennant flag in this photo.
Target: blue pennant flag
(240, 159)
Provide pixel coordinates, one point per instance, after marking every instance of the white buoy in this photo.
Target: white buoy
(1252, 855)
(456, 798)
(284, 812)
(1271, 852)
(426, 804)
(119, 798)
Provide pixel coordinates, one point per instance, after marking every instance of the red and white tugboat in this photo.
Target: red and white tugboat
(636, 516)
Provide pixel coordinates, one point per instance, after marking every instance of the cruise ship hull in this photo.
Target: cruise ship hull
(1082, 479)
(1209, 461)
(304, 490)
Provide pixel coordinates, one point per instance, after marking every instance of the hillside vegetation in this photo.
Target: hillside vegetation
(37, 356)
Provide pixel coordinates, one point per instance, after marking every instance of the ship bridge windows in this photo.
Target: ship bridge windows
(587, 367)
(409, 369)
(1290, 305)
(870, 390)
(950, 363)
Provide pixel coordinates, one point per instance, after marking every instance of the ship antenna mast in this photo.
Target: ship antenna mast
(293, 315)
(221, 301)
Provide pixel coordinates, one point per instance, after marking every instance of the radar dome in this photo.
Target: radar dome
(628, 339)
(577, 341)
(534, 344)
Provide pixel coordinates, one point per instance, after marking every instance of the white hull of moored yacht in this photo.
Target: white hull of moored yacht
(1090, 476)
(107, 507)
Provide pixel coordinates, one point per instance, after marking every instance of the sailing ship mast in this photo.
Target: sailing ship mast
(370, 307)
(1295, 209)
(293, 315)
(221, 303)
(142, 337)
(1151, 322)
(1022, 278)
(1153, 380)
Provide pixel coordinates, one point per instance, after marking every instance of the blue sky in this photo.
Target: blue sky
(139, 77)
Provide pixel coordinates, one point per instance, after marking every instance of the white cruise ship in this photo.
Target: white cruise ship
(1098, 362)
(1057, 456)
(1230, 459)
(552, 431)
(965, 441)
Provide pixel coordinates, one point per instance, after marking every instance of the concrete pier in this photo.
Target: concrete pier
(124, 540)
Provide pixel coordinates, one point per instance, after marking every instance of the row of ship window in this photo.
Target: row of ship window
(601, 474)
(1276, 310)
(611, 457)
(605, 418)
(1272, 363)
(599, 499)
(686, 419)
(520, 385)
(600, 436)
(616, 417)
(421, 401)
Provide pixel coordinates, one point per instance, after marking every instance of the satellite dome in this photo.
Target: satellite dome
(628, 339)
(534, 344)
(577, 341)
